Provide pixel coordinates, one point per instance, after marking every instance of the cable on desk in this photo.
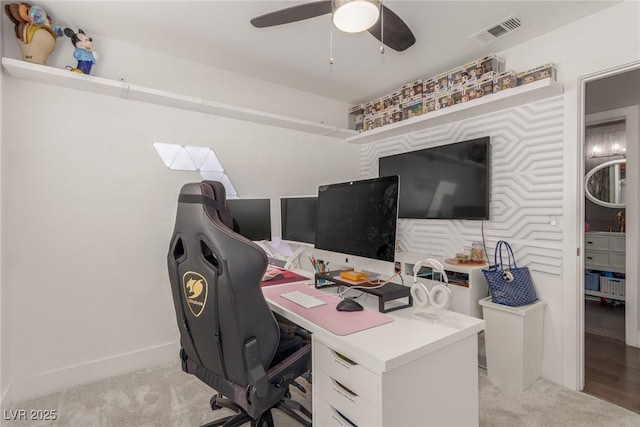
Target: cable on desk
(377, 286)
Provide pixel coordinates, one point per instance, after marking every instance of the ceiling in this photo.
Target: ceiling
(218, 33)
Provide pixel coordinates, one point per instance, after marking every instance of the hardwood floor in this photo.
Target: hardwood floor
(612, 371)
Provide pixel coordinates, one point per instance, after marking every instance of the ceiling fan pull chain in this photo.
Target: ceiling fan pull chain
(330, 43)
(381, 29)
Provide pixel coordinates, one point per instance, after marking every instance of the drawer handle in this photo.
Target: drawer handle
(344, 391)
(591, 243)
(589, 257)
(342, 418)
(343, 358)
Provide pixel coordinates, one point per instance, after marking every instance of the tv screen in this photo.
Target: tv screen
(359, 218)
(253, 217)
(298, 216)
(446, 182)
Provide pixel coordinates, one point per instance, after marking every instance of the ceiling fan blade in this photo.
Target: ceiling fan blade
(292, 14)
(397, 34)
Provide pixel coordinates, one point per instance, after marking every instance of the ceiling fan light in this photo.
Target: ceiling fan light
(356, 15)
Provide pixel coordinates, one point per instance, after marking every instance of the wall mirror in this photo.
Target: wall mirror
(605, 184)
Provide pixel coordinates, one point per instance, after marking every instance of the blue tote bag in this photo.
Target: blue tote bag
(509, 284)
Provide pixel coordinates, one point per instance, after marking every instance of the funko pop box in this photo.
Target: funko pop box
(491, 63)
(504, 80)
(455, 96)
(412, 108)
(485, 84)
(412, 90)
(356, 117)
(471, 90)
(538, 73)
(442, 81)
(441, 100)
(429, 87)
(455, 77)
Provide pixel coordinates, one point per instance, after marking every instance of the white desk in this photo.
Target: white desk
(419, 370)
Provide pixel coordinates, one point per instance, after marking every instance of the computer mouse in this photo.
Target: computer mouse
(349, 304)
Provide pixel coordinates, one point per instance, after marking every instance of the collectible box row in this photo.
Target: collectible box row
(539, 73)
(471, 81)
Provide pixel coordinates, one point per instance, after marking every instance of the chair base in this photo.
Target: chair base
(287, 406)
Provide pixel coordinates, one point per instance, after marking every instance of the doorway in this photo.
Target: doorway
(611, 364)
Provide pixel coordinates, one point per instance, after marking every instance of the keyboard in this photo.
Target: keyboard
(302, 299)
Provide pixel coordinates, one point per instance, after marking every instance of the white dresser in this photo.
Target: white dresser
(605, 252)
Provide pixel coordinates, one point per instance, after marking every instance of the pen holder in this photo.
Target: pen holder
(321, 268)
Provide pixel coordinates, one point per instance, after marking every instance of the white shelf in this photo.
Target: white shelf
(495, 102)
(604, 295)
(63, 78)
(503, 100)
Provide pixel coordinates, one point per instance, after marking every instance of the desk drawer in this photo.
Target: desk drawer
(596, 258)
(346, 401)
(349, 373)
(326, 415)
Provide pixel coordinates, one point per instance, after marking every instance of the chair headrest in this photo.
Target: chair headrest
(216, 191)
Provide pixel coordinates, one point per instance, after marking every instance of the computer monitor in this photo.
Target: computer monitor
(298, 218)
(253, 217)
(356, 224)
(447, 182)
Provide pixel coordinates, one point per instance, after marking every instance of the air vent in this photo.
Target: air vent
(495, 31)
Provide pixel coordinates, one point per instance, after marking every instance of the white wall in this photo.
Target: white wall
(4, 366)
(607, 39)
(601, 41)
(89, 210)
(118, 60)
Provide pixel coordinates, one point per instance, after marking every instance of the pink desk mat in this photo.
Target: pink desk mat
(326, 316)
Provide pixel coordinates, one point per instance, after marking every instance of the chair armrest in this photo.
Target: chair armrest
(256, 372)
(292, 367)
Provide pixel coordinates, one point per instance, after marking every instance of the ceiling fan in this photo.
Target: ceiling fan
(349, 16)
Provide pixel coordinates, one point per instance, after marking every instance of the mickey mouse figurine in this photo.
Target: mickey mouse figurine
(83, 53)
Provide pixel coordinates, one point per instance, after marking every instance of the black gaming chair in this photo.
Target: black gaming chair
(228, 334)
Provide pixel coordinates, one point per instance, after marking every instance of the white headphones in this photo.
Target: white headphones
(440, 295)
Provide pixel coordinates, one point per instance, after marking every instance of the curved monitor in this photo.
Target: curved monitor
(298, 217)
(253, 217)
(359, 218)
(446, 182)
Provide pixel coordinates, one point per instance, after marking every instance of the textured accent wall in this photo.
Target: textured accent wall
(526, 185)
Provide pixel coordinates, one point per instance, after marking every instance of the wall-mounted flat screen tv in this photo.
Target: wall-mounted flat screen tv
(446, 182)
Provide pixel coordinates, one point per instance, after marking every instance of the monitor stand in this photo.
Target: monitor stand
(386, 294)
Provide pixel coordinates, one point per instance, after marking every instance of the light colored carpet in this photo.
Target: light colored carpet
(165, 396)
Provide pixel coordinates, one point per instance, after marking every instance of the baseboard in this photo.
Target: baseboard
(54, 381)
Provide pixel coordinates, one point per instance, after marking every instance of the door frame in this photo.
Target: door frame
(632, 333)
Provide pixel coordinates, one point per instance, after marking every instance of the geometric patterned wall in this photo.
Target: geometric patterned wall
(526, 185)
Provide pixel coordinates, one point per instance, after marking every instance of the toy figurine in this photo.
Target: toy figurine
(83, 53)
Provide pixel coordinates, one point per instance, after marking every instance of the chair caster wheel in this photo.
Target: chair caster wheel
(213, 404)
